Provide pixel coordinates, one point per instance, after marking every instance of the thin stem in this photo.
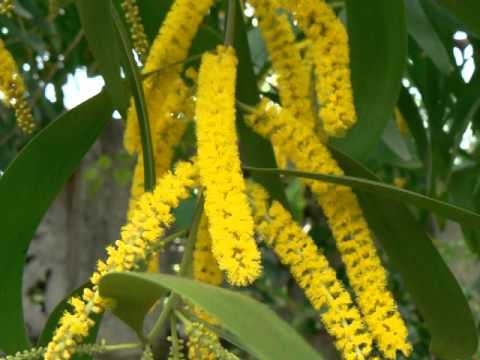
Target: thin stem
(185, 270)
(174, 338)
(230, 27)
(246, 108)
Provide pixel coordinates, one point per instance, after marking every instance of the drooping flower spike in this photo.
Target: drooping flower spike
(171, 46)
(226, 204)
(312, 272)
(137, 31)
(340, 205)
(330, 55)
(13, 89)
(149, 221)
(293, 74)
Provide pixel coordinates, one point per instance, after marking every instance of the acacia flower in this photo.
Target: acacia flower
(330, 53)
(226, 204)
(292, 72)
(171, 46)
(205, 267)
(6, 7)
(150, 219)
(342, 210)
(13, 88)
(137, 31)
(312, 272)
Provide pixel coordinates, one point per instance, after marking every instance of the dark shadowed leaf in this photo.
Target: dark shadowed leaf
(378, 52)
(27, 189)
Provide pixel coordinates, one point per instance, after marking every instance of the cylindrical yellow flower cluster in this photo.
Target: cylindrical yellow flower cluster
(137, 31)
(292, 72)
(170, 47)
(13, 88)
(354, 240)
(203, 344)
(6, 7)
(206, 270)
(226, 204)
(151, 217)
(330, 54)
(205, 267)
(312, 272)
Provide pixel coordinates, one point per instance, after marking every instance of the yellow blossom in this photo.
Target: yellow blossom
(226, 204)
(150, 219)
(354, 240)
(205, 268)
(137, 31)
(330, 53)
(292, 72)
(6, 7)
(12, 86)
(169, 47)
(312, 272)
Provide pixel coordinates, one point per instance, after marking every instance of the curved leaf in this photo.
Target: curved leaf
(56, 314)
(100, 33)
(461, 215)
(136, 87)
(253, 324)
(427, 278)
(27, 189)
(420, 28)
(378, 52)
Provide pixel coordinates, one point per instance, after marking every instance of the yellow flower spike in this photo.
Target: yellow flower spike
(340, 205)
(205, 267)
(137, 31)
(330, 54)
(226, 204)
(6, 7)
(149, 220)
(170, 47)
(294, 78)
(13, 88)
(312, 272)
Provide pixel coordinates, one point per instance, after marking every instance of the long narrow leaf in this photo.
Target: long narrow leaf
(378, 51)
(135, 80)
(463, 216)
(27, 190)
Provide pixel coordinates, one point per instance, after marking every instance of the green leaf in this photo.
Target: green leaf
(378, 52)
(411, 114)
(136, 86)
(102, 40)
(421, 29)
(427, 278)
(27, 189)
(254, 149)
(52, 323)
(466, 11)
(259, 329)
(383, 190)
